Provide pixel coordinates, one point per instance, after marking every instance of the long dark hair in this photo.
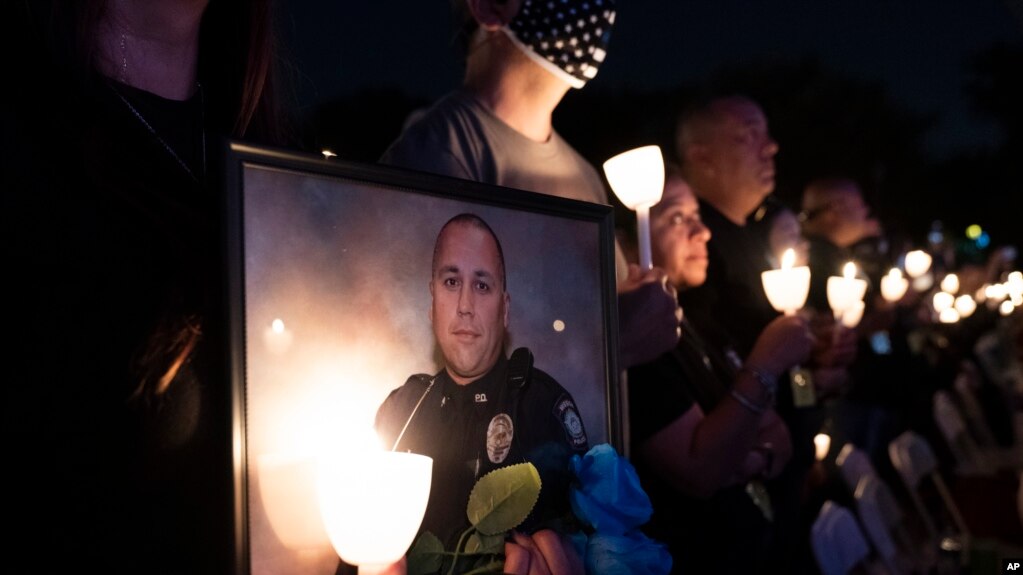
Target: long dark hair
(239, 71)
(239, 65)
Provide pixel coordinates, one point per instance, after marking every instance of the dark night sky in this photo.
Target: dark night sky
(916, 49)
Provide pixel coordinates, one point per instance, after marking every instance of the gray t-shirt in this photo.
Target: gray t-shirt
(460, 137)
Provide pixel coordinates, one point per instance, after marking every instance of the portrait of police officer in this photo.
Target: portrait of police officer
(484, 409)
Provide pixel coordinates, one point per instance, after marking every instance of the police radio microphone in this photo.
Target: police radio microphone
(413, 414)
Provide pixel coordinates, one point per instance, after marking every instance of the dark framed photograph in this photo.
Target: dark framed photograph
(331, 270)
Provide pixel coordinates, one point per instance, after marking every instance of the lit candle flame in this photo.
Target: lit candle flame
(788, 259)
(849, 271)
(277, 325)
(950, 283)
(822, 444)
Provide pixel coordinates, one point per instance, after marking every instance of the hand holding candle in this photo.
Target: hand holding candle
(637, 178)
(787, 288)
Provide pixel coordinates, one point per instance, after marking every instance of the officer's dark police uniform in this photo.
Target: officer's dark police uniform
(514, 413)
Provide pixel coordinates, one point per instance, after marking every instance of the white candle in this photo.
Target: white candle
(845, 291)
(965, 305)
(893, 285)
(943, 301)
(1014, 288)
(917, 263)
(822, 445)
(637, 178)
(1006, 307)
(996, 292)
(950, 283)
(787, 288)
(948, 315)
(373, 504)
(852, 316)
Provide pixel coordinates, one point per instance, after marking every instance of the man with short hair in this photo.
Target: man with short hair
(483, 410)
(727, 155)
(522, 58)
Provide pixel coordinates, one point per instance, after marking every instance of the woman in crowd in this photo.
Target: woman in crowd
(117, 396)
(703, 429)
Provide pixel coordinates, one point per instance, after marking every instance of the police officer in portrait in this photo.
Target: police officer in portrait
(483, 410)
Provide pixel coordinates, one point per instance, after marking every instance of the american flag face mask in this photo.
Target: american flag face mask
(568, 38)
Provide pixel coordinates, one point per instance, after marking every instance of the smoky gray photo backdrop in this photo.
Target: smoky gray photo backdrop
(336, 279)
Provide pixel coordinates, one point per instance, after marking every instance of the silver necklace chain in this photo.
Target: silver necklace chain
(166, 146)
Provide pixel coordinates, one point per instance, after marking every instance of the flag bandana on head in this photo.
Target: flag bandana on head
(566, 37)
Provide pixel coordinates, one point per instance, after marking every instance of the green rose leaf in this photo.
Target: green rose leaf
(426, 555)
(503, 498)
(485, 544)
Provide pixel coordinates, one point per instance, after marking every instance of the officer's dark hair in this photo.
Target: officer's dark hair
(477, 222)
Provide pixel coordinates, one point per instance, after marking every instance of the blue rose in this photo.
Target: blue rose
(607, 494)
(633, 552)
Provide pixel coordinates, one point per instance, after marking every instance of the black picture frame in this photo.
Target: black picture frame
(341, 251)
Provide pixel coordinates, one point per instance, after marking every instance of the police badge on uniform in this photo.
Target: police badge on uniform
(499, 437)
(567, 413)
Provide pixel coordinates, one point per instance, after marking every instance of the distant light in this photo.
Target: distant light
(950, 283)
(935, 237)
(917, 263)
(996, 292)
(559, 326)
(327, 154)
(949, 315)
(1006, 307)
(943, 301)
(965, 305)
(923, 283)
(983, 241)
(822, 445)
(973, 231)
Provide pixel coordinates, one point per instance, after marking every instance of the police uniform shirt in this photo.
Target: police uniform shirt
(470, 430)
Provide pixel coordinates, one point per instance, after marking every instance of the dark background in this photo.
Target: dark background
(919, 101)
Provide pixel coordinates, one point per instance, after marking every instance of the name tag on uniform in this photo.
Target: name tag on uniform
(481, 398)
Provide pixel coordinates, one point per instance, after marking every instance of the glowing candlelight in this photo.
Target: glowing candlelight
(943, 301)
(787, 288)
(845, 291)
(822, 445)
(950, 283)
(373, 504)
(965, 305)
(852, 316)
(893, 285)
(1014, 288)
(996, 292)
(917, 263)
(1006, 307)
(287, 488)
(948, 315)
(637, 178)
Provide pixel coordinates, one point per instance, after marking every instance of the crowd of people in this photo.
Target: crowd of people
(117, 388)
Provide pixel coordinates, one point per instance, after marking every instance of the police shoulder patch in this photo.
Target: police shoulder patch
(568, 414)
